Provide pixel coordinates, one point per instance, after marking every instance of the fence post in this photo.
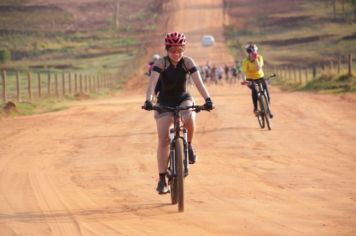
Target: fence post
(98, 81)
(70, 82)
(49, 84)
(85, 83)
(29, 86)
(56, 84)
(4, 86)
(295, 71)
(89, 84)
(350, 64)
(86, 89)
(80, 83)
(314, 72)
(18, 96)
(300, 76)
(94, 83)
(75, 83)
(331, 67)
(339, 65)
(63, 85)
(39, 84)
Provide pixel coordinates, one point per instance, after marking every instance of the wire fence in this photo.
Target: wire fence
(304, 74)
(31, 85)
(28, 86)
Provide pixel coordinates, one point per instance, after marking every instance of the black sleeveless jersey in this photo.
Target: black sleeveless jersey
(173, 83)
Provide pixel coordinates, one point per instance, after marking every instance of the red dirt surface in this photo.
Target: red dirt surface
(91, 170)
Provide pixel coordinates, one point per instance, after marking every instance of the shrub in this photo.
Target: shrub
(5, 55)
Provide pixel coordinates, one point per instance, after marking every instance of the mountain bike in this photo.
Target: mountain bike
(178, 162)
(263, 113)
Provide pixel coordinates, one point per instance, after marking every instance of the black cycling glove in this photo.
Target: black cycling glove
(208, 104)
(148, 105)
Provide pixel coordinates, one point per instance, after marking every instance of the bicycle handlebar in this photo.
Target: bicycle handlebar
(270, 76)
(196, 108)
(249, 82)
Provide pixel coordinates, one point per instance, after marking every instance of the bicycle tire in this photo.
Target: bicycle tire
(172, 181)
(260, 114)
(180, 173)
(266, 111)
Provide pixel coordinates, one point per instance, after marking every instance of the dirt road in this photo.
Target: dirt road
(91, 170)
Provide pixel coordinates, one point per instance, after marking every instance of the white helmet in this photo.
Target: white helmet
(251, 48)
(155, 57)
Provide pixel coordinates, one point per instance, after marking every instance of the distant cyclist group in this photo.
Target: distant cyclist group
(210, 73)
(168, 79)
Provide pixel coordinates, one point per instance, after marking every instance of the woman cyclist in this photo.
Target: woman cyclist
(252, 71)
(172, 70)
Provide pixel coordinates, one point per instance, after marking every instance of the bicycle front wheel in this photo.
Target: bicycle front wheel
(266, 112)
(260, 114)
(172, 180)
(180, 173)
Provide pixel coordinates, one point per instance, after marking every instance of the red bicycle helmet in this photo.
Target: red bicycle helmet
(175, 39)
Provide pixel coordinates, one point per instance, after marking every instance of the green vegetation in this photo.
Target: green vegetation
(61, 38)
(5, 55)
(325, 83)
(295, 34)
(332, 83)
(52, 37)
(40, 106)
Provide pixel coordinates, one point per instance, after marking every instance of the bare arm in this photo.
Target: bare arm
(258, 65)
(200, 85)
(151, 85)
(259, 62)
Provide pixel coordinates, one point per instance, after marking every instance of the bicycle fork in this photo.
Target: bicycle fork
(173, 167)
(186, 157)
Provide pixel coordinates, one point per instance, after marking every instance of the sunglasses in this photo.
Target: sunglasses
(176, 50)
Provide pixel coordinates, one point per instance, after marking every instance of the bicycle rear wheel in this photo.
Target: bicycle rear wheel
(180, 173)
(266, 111)
(260, 114)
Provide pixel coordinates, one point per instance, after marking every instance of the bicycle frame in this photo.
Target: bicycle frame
(259, 88)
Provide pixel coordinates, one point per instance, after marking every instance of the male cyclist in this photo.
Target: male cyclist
(252, 71)
(172, 70)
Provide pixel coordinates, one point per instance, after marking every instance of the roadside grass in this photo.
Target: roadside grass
(332, 84)
(50, 104)
(326, 83)
(37, 107)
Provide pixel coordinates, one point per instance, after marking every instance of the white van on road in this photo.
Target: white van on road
(207, 40)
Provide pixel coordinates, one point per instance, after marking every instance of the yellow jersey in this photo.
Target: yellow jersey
(250, 68)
